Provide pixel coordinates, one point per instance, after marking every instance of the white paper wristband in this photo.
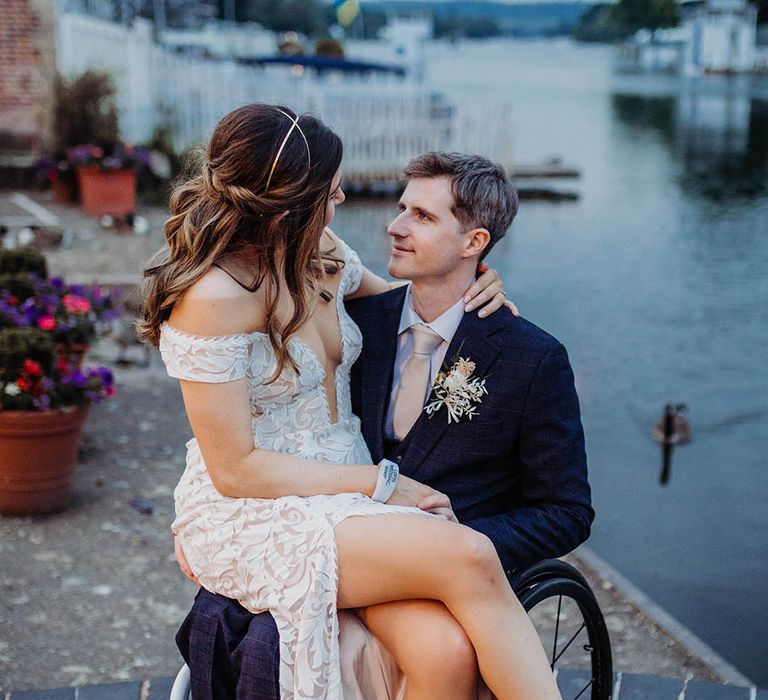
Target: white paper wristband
(387, 480)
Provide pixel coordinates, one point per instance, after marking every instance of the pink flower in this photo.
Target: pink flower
(46, 323)
(75, 304)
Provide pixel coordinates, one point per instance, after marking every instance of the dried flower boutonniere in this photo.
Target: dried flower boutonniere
(458, 391)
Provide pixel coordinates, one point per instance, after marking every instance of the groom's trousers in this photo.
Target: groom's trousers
(230, 652)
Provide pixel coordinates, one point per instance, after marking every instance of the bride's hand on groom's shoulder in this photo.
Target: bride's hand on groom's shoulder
(487, 292)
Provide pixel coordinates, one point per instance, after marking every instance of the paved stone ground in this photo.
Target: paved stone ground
(627, 686)
(92, 595)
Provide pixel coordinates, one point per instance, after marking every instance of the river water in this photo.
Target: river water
(656, 280)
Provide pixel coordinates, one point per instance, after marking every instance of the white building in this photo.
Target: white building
(715, 36)
(401, 43)
(223, 39)
(722, 36)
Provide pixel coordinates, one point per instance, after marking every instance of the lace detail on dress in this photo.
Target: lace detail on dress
(204, 359)
(278, 554)
(351, 280)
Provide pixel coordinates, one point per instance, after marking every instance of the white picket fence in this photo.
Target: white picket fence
(383, 121)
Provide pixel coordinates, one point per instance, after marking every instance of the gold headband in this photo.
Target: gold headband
(294, 125)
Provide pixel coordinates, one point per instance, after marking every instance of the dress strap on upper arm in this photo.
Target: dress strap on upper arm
(214, 359)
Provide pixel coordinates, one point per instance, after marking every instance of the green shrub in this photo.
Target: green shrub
(85, 110)
(20, 344)
(23, 260)
(19, 285)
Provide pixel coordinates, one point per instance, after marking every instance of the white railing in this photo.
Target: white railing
(383, 121)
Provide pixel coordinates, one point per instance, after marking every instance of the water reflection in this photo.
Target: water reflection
(719, 140)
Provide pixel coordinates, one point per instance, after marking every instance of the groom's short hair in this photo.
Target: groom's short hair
(483, 197)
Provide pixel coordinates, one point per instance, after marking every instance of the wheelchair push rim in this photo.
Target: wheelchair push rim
(563, 585)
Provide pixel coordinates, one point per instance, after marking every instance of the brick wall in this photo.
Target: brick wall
(27, 71)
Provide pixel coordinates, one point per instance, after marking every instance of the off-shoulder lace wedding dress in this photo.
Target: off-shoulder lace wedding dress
(277, 554)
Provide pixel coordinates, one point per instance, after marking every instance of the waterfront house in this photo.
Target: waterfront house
(715, 36)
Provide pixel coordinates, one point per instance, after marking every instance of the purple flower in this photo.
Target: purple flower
(75, 378)
(42, 403)
(104, 374)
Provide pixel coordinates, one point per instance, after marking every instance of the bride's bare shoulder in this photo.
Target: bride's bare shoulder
(217, 305)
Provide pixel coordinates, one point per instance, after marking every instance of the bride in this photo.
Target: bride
(247, 309)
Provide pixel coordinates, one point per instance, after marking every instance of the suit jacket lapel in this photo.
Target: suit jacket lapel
(471, 341)
(379, 360)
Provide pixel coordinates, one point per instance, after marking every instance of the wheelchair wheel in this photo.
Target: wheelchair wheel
(571, 627)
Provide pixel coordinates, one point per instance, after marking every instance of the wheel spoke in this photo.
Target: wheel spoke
(583, 689)
(570, 641)
(557, 629)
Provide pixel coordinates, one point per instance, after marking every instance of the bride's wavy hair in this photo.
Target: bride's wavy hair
(257, 166)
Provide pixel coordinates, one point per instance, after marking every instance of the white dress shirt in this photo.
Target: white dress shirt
(444, 325)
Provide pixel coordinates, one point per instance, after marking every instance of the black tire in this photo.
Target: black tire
(554, 579)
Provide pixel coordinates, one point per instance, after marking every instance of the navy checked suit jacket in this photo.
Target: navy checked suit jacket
(516, 472)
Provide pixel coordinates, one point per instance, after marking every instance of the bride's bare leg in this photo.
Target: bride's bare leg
(402, 557)
(429, 645)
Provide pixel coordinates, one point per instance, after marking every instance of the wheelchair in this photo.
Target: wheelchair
(567, 617)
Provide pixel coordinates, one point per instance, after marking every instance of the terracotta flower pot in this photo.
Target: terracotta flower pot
(38, 452)
(112, 192)
(64, 191)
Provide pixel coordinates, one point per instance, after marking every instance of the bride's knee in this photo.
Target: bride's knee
(456, 654)
(447, 653)
(477, 557)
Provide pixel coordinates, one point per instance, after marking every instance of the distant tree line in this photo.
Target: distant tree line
(483, 18)
(314, 18)
(611, 22)
(600, 22)
(309, 17)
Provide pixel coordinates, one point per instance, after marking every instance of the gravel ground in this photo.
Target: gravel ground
(92, 594)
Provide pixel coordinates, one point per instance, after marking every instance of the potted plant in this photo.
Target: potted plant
(44, 401)
(90, 160)
(45, 328)
(73, 315)
(106, 176)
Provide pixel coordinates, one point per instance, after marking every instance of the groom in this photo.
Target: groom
(514, 470)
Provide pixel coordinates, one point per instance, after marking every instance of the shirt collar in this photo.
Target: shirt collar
(444, 325)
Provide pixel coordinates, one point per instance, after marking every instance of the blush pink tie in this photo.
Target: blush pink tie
(414, 380)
